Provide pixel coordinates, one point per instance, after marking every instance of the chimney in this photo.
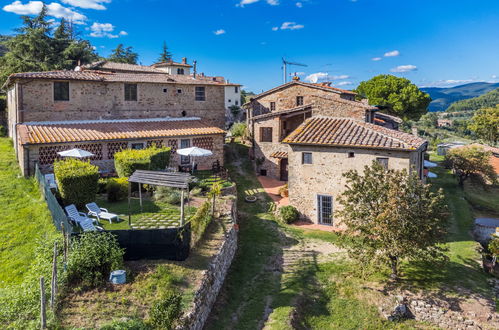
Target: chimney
(194, 64)
(326, 84)
(184, 60)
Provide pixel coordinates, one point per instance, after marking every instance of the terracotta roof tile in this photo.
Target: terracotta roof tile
(349, 132)
(121, 67)
(279, 154)
(40, 133)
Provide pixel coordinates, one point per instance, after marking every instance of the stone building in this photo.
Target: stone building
(107, 97)
(323, 148)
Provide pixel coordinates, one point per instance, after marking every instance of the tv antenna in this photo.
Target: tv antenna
(285, 68)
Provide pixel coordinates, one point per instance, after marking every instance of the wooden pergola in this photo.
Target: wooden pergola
(178, 180)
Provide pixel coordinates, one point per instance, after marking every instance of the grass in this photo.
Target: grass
(154, 214)
(24, 217)
(484, 200)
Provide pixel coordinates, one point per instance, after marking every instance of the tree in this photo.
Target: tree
(123, 54)
(165, 55)
(429, 119)
(470, 160)
(391, 216)
(397, 96)
(485, 124)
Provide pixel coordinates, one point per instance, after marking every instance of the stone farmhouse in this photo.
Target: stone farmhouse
(310, 134)
(105, 107)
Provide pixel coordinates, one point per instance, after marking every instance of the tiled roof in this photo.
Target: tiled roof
(40, 133)
(91, 75)
(384, 116)
(121, 67)
(171, 63)
(331, 131)
(279, 154)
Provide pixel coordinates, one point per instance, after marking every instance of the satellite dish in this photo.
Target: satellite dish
(78, 68)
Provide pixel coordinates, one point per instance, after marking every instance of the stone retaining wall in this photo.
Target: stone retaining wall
(212, 280)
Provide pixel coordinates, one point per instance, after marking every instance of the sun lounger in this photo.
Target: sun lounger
(100, 213)
(81, 219)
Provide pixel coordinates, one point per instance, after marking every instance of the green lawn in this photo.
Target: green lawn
(153, 215)
(24, 217)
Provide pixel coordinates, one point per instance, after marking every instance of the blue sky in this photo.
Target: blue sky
(431, 42)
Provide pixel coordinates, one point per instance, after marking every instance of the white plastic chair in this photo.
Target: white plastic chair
(81, 219)
(100, 213)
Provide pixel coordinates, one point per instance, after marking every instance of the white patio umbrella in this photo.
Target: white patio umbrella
(75, 153)
(194, 152)
(429, 164)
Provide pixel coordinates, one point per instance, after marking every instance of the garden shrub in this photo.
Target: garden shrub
(92, 256)
(117, 189)
(131, 324)
(129, 160)
(239, 129)
(283, 191)
(288, 214)
(166, 311)
(102, 186)
(197, 191)
(200, 221)
(168, 195)
(3, 131)
(77, 181)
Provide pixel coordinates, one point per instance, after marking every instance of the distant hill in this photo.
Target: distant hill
(443, 97)
(490, 99)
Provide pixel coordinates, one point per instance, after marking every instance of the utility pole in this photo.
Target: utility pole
(285, 68)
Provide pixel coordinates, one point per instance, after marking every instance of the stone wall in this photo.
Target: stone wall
(325, 175)
(99, 100)
(212, 280)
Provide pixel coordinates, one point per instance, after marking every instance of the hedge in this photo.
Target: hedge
(77, 181)
(288, 214)
(117, 189)
(200, 221)
(129, 160)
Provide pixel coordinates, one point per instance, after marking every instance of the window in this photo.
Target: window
(61, 91)
(130, 92)
(165, 90)
(272, 106)
(183, 113)
(306, 158)
(180, 71)
(237, 102)
(137, 146)
(185, 143)
(200, 94)
(325, 209)
(351, 154)
(179, 91)
(236, 89)
(265, 134)
(230, 100)
(383, 162)
(299, 100)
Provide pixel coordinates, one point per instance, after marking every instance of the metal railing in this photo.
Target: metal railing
(59, 217)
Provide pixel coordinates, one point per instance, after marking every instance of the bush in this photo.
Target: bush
(117, 189)
(165, 312)
(283, 191)
(133, 324)
(102, 186)
(129, 160)
(77, 181)
(168, 195)
(239, 129)
(3, 131)
(289, 214)
(197, 191)
(92, 256)
(200, 221)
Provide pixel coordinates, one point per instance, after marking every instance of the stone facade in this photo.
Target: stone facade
(325, 175)
(45, 154)
(212, 281)
(106, 100)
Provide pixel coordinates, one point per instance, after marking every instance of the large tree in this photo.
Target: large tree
(396, 96)
(122, 54)
(470, 160)
(391, 216)
(485, 124)
(165, 55)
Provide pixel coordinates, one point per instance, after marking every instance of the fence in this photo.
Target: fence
(58, 215)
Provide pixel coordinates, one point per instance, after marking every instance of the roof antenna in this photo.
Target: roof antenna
(195, 65)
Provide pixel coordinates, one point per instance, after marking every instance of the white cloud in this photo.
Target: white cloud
(339, 77)
(87, 4)
(104, 30)
(404, 68)
(246, 2)
(376, 58)
(219, 32)
(393, 53)
(448, 83)
(53, 9)
(275, 28)
(344, 83)
(273, 2)
(315, 77)
(299, 4)
(291, 26)
(494, 76)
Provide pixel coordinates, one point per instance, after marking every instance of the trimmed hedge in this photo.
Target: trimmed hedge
(128, 161)
(200, 221)
(288, 214)
(77, 181)
(117, 189)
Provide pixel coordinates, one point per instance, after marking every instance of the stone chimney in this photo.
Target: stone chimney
(184, 60)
